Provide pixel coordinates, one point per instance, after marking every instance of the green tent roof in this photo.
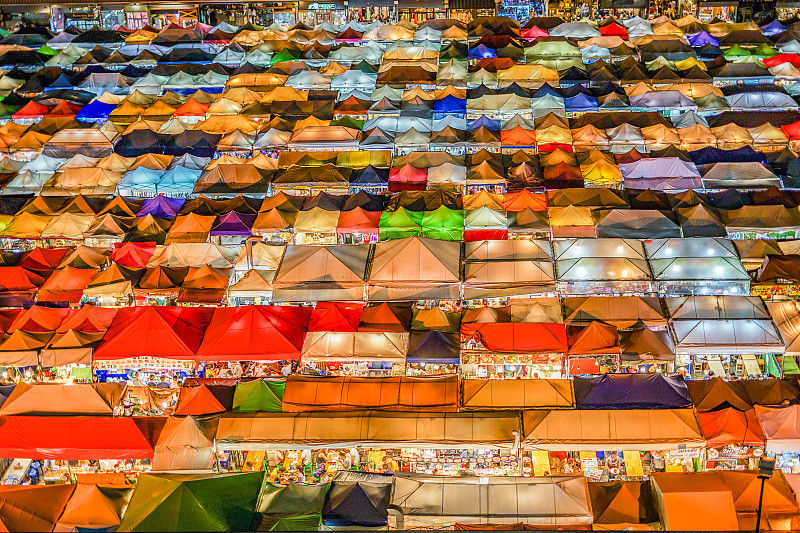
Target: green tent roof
(193, 502)
(348, 122)
(259, 395)
(400, 224)
(46, 50)
(764, 50)
(290, 507)
(283, 55)
(736, 51)
(444, 224)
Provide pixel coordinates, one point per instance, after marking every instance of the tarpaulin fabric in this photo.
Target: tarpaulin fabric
(480, 394)
(259, 395)
(729, 427)
(621, 504)
(620, 429)
(345, 429)
(631, 391)
(169, 332)
(33, 508)
(73, 438)
(292, 507)
(438, 394)
(705, 504)
(517, 337)
(204, 399)
(193, 502)
(357, 504)
(95, 506)
(47, 398)
(428, 501)
(257, 332)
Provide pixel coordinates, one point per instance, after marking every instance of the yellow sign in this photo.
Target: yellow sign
(541, 462)
(633, 464)
(588, 460)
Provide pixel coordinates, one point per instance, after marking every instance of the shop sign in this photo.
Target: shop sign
(317, 5)
(691, 453)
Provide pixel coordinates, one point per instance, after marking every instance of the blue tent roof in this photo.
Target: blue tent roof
(631, 391)
(140, 179)
(434, 347)
(450, 104)
(580, 102)
(178, 179)
(544, 90)
(710, 154)
(488, 123)
(95, 111)
(481, 52)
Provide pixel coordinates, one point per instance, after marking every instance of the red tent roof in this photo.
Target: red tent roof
(7, 316)
(64, 109)
(38, 319)
(72, 438)
(155, 331)
(519, 337)
(133, 254)
(32, 110)
(614, 29)
(792, 130)
(335, 316)
(255, 332)
(89, 319)
(780, 59)
(731, 427)
(43, 258)
(408, 173)
(191, 108)
(532, 33)
(16, 278)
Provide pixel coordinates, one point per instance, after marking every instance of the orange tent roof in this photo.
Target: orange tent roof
(198, 401)
(596, 338)
(32, 507)
(519, 201)
(731, 427)
(66, 284)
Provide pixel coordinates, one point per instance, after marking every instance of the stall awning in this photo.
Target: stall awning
(657, 429)
(432, 502)
(517, 394)
(366, 428)
(308, 393)
(73, 438)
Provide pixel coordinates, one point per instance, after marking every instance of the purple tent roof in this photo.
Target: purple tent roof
(161, 206)
(233, 223)
(701, 39)
(631, 391)
(773, 28)
(481, 52)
